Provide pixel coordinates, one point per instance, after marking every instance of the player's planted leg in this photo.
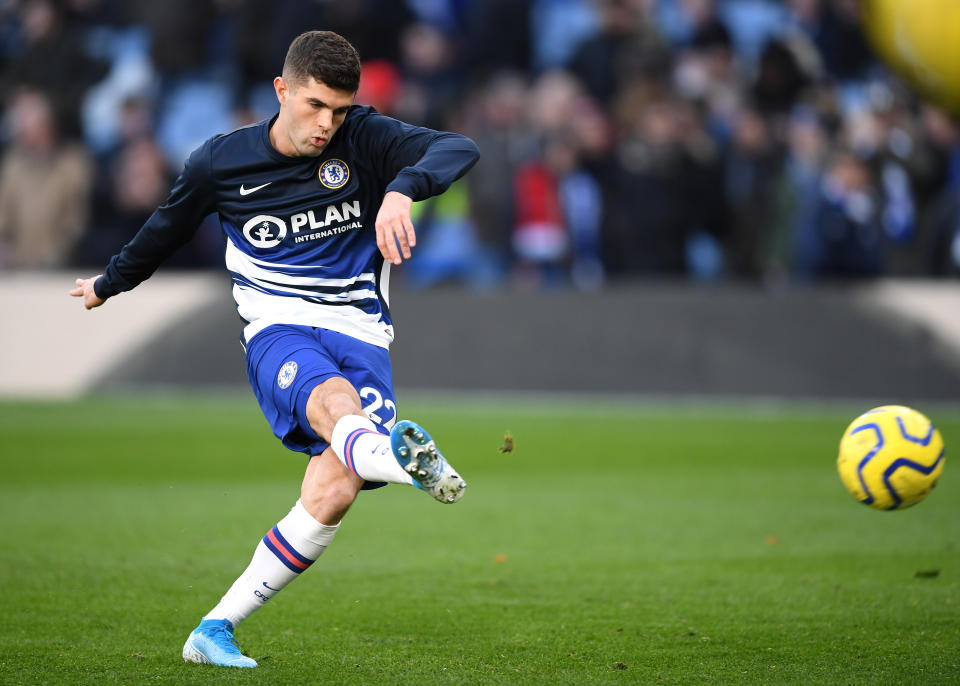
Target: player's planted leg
(212, 643)
(417, 453)
(287, 550)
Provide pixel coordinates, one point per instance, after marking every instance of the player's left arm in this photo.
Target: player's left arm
(394, 225)
(420, 163)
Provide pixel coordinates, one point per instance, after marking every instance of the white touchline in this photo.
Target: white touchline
(248, 191)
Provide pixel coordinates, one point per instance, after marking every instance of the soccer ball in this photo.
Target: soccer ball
(890, 457)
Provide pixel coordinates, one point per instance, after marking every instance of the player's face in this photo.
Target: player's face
(310, 113)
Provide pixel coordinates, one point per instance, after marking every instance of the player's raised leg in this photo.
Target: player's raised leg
(409, 455)
(417, 453)
(334, 411)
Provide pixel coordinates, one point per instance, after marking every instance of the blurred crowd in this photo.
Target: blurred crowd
(708, 139)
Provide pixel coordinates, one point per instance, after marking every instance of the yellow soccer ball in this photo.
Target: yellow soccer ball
(921, 40)
(890, 457)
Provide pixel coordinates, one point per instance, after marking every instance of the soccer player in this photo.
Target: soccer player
(315, 207)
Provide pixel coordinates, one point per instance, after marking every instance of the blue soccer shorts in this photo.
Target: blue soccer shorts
(286, 362)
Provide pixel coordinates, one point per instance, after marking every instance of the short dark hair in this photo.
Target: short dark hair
(326, 56)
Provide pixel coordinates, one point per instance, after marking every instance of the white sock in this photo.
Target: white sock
(288, 549)
(365, 451)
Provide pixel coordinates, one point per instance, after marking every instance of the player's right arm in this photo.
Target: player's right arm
(170, 226)
(84, 289)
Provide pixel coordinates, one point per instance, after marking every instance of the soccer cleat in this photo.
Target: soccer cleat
(212, 643)
(418, 455)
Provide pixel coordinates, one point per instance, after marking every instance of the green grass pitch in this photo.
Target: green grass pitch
(622, 544)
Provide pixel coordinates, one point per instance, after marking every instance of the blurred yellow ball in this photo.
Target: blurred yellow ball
(890, 457)
(920, 39)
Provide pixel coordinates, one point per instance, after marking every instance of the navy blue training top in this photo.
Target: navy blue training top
(300, 239)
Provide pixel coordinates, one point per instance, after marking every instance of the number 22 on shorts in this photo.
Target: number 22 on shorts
(376, 401)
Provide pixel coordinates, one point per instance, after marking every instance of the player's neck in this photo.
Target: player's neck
(280, 141)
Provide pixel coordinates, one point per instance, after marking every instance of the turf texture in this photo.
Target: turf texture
(618, 543)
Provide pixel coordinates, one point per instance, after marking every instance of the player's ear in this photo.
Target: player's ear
(280, 86)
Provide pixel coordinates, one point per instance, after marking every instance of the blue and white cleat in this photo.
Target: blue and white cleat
(212, 643)
(418, 455)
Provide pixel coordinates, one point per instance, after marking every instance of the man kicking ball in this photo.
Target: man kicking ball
(315, 207)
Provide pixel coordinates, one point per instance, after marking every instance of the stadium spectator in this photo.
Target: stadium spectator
(839, 234)
(581, 204)
(496, 37)
(834, 28)
(626, 47)
(540, 240)
(49, 56)
(649, 214)
(139, 179)
(940, 228)
(45, 185)
(750, 177)
(431, 85)
(783, 75)
(500, 127)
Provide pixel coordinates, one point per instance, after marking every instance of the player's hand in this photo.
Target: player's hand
(395, 226)
(85, 290)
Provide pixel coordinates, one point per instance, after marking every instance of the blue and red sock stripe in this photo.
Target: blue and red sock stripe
(348, 447)
(285, 552)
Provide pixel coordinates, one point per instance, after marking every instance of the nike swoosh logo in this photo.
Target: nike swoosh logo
(270, 587)
(248, 191)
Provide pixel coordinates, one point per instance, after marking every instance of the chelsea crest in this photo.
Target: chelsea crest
(334, 174)
(288, 373)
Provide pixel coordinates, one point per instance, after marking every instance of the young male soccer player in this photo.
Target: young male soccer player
(297, 196)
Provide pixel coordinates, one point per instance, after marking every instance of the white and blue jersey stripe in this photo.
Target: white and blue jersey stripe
(274, 293)
(300, 239)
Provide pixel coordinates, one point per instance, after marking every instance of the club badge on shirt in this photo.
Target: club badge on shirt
(334, 174)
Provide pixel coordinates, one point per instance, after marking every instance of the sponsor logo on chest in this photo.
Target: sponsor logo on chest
(265, 231)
